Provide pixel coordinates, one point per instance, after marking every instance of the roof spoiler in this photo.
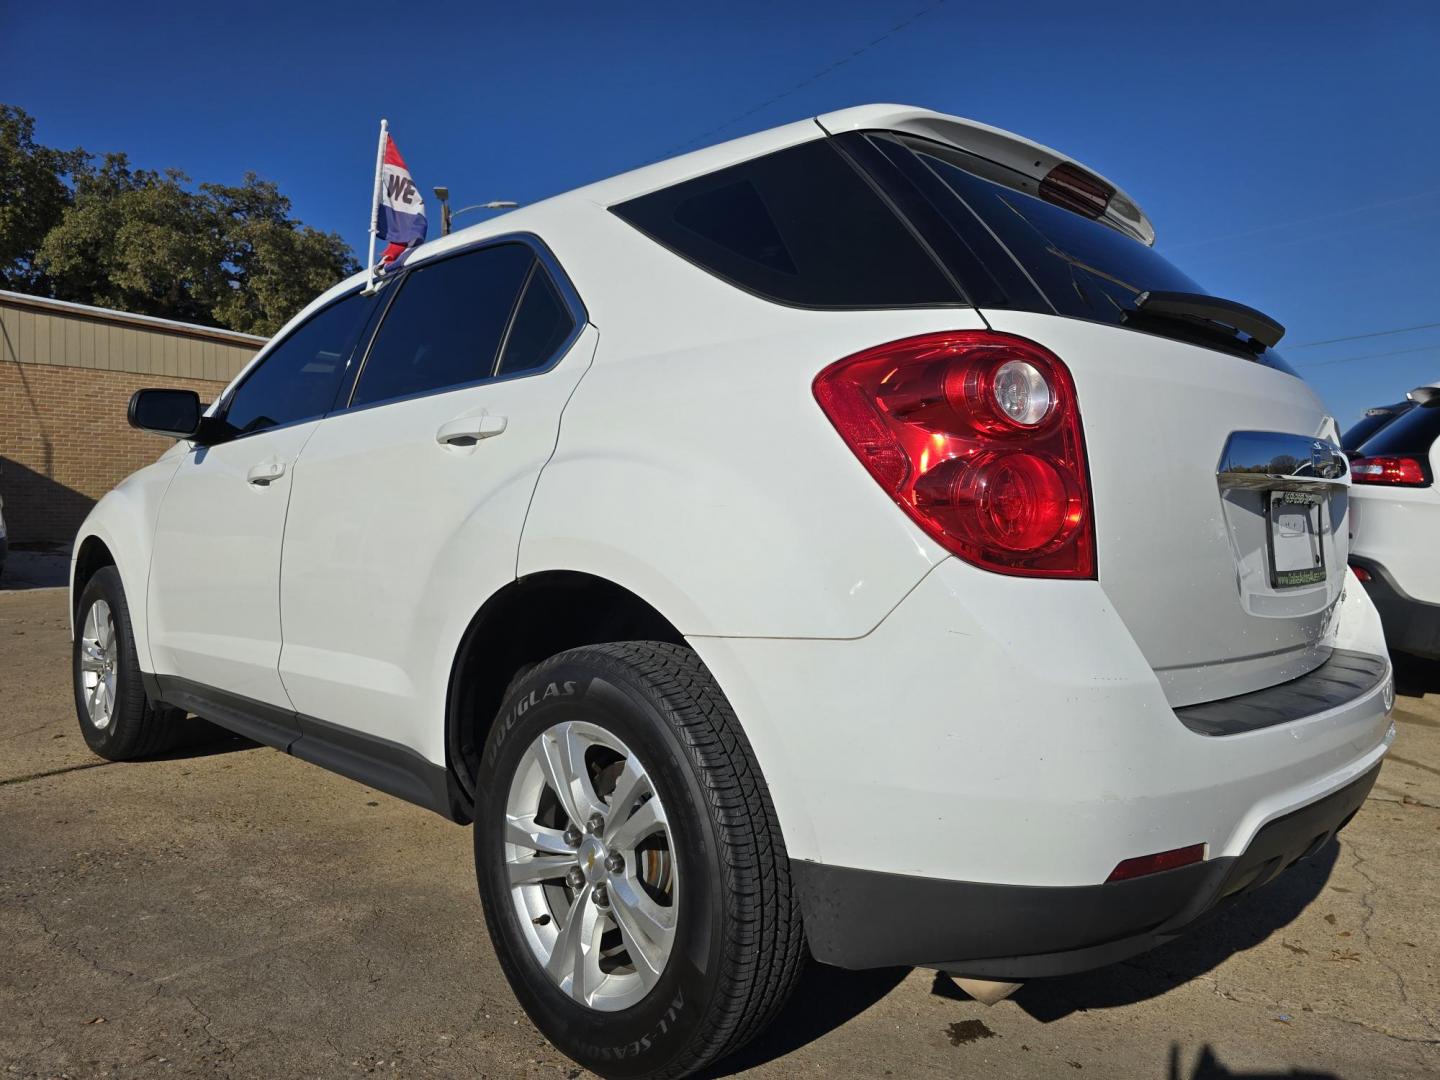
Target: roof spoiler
(1057, 178)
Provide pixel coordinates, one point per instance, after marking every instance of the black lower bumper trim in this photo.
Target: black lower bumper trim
(862, 918)
(1411, 626)
(1344, 677)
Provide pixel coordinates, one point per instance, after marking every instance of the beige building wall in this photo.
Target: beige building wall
(66, 375)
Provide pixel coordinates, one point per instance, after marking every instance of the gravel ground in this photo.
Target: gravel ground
(233, 912)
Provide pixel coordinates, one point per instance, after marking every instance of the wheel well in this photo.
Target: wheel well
(93, 555)
(529, 620)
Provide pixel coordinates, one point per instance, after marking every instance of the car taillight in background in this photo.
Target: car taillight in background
(976, 435)
(1403, 471)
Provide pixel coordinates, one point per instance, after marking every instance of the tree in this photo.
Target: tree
(149, 242)
(272, 265)
(135, 240)
(33, 196)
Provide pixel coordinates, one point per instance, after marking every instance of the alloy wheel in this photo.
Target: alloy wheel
(588, 853)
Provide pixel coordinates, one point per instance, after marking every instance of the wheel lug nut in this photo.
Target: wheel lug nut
(571, 836)
(596, 823)
(614, 862)
(602, 896)
(575, 877)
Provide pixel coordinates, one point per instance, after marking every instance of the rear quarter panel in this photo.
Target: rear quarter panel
(694, 466)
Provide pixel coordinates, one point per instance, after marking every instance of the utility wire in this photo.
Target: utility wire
(1371, 356)
(1358, 337)
(897, 28)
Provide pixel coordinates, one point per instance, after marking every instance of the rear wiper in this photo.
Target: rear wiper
(1211, 314)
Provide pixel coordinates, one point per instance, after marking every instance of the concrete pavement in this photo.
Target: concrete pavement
(233, 912)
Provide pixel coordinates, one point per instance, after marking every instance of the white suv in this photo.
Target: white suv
(851, 538)
(1395, 523)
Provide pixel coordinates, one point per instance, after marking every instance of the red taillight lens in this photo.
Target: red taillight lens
(1361, 574)
(1388, 470)
(977, 436)
(1073, 188)
(1153, 864)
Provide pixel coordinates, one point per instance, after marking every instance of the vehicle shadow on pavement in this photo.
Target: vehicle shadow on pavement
(1241, 925)
(826, 998)
(1415, 677)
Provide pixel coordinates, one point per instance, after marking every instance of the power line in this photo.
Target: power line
(1280, 225)
(1358, 337)
(1372, 356)
(897, 28)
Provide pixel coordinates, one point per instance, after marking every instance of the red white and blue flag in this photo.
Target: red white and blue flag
(400, 210)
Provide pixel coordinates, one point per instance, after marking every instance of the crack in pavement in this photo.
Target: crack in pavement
(1366, 903)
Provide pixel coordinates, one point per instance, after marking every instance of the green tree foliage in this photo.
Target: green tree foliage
(104, 233)
(33, 197)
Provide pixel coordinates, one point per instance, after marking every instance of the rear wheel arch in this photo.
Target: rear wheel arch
(527, 621)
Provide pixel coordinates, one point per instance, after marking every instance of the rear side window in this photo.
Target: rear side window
(297, 380)
(542, 323)
(1410, 435)
(799, 226)
(445, 327)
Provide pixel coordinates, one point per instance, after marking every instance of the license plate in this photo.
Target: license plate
(1297, 533)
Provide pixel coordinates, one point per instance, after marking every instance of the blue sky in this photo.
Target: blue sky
(1289, 154)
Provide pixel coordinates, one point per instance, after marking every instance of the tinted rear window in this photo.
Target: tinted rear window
(1410, 435)
(1369, 424)
(799, 226)
(1067, 263)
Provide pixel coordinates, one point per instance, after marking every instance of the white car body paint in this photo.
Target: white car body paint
(1023, 729)
(1399, 528)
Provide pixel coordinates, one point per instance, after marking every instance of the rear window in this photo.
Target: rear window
(1411, 435)
(799, 226)
(1069, 264)
(1369, 424)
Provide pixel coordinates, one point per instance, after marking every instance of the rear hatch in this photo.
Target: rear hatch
(1220, 494)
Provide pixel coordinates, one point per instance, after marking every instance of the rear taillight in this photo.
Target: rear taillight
(1388, 470)
(1361, 574)
(1073, 188)
(977, 436)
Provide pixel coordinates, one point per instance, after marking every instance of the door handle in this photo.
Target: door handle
(468, 430)
(265, 473)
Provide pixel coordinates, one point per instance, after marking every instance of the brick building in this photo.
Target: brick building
(66, 375)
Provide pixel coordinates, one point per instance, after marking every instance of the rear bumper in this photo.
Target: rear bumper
(861, 918)
(1411, 626)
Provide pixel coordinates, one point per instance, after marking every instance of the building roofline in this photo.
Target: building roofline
(149, 322)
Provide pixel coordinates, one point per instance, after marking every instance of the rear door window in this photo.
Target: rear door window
(800, 226)
(445, 327)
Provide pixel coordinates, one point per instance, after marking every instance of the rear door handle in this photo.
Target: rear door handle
(468, 430)
(265, 473)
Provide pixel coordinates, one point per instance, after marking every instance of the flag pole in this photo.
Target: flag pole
(375, 207)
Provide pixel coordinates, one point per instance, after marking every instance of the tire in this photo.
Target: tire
(714, 870)
(131, 727)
